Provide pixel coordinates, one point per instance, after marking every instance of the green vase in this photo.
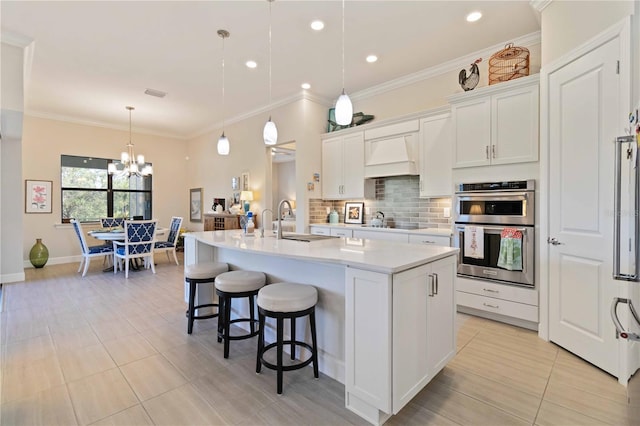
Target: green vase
(39, 254)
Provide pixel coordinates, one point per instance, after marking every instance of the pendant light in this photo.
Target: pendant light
(223, 142)
(344, 107)
(270, 132)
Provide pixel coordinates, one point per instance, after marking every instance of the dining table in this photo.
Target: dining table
(117, 234)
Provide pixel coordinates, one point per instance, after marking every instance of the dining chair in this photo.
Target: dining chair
(112, 222)
(89, 252)
(139, 239)
(170, 244)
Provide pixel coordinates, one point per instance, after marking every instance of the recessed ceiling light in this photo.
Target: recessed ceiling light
(372, 58)
(305, 86)
(251, 64)
(474, 16)
(317, 25)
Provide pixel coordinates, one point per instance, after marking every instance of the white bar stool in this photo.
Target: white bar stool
(292, 301)
(233, 285)
(201, 273)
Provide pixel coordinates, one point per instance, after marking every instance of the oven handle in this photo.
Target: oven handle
(507, 196)
(460, 228)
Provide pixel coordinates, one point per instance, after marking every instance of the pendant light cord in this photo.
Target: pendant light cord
(270, 1)
(343, 47)
(223, 106)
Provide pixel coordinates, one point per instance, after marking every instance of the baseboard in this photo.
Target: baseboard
(500, 318)
(12, 278)
(56, 261)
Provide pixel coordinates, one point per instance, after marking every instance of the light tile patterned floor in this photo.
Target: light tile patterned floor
(108, 351)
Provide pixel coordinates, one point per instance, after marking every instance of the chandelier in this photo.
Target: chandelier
(132, 165)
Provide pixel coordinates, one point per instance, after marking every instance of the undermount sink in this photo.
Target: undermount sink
(306, 237)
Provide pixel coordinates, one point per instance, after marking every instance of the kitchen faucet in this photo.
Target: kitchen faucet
(285, 201)
(263, 222)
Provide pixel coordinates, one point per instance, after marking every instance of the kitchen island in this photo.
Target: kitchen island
(385, 313)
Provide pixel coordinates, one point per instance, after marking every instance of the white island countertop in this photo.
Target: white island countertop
(442, 232)
(371, 255)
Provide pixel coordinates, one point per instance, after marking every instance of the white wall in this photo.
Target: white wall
(568, 24)
(44, 141)
(11, 185)
(300, 121)
(284, 181)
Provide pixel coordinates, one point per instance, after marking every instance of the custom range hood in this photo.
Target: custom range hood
(392, 150)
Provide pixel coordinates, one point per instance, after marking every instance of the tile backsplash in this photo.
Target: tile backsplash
(398, 197)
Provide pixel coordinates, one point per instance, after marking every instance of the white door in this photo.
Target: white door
(584, 109)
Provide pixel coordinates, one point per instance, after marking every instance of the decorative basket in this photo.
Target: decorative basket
(509, 63)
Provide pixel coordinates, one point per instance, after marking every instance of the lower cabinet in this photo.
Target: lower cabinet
(402, 326)
(423, 327)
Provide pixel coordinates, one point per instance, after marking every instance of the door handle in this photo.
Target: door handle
(486, 151)
(436, 280)
(493, 151)
(553, 241)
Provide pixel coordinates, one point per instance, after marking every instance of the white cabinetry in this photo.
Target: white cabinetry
(341, 232)
(343, 167)
(430, 240)
(423, 301)
(391, 323)
(436, 178)
(496, 124)
(380, 235)
(319, 230)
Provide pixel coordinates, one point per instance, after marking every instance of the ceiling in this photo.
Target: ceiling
(89, 59)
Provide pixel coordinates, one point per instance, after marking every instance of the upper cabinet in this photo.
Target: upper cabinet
(343, 167)
(436, 179)
(496, 124)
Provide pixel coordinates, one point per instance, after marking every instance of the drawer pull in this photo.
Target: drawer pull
(491, 306)
(428, 242)
(491, 291)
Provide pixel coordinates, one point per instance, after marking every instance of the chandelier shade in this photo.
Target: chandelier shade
(132, 164)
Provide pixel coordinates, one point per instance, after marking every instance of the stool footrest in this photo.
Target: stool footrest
(240, 336)
(208, 305)
(296, 366)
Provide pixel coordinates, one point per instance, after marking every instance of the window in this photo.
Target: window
(89, 193)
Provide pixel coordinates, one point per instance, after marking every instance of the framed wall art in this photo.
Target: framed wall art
(353, 212)
(195, 205)
(37, 196)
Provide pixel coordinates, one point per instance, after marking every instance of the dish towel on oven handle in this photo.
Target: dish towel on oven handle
(474, 242)
(510, 256)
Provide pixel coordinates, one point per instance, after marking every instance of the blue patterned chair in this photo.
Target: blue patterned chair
(89, 251)
(112, 222)
(140, 237)
(169, 246)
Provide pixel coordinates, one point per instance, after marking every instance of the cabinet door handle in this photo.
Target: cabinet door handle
(486, 151)
(491, 306)
(430, 285)
(493, 151)
(437, 282)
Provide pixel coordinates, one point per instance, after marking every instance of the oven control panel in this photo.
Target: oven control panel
(516, 185)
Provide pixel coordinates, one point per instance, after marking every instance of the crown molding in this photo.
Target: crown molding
(104, 125)
(539, 5)
(15, 39)
(449, 66)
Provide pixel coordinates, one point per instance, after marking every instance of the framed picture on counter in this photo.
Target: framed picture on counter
(354, 213)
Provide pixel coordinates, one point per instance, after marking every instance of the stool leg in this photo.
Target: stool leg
(221, 304)
(251, 314)
(280, 338)
(260, 342)
(192, 298)
(293, 338)
(227, 325)
(314, 352)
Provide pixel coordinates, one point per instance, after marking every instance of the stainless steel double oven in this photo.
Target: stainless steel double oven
(490, 207)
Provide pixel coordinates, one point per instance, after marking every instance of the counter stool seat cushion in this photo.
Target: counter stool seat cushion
(202, 271)
(287, 297)
(240, 281)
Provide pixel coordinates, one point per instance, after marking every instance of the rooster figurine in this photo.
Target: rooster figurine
(470, 82)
